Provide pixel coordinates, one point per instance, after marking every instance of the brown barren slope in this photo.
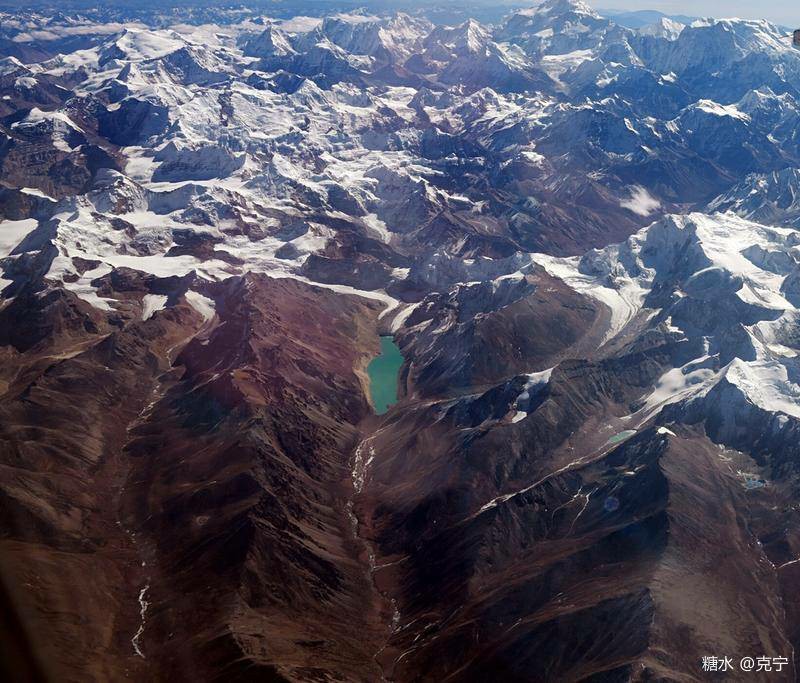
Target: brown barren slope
(205, 461)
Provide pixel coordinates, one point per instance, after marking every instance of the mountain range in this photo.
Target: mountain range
(583, 238)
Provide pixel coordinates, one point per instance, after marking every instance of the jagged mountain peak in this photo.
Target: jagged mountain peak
(664, 27)
(271, 41)
(766, 197)
(565, 6)
(582, 240)
(134, 44)
(11, 65)
(466, 38)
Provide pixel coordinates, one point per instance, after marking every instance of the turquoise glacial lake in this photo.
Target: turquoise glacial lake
(618, 438)
(384, 371)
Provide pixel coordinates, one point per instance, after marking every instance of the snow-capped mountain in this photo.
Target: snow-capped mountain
(770, 198)
(582, 237)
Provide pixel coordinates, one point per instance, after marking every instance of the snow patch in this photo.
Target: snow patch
(152, 303)
(34, 192)
(711, 107)
(692, 379)
(13, 232)
(766, 384)
(202, 304)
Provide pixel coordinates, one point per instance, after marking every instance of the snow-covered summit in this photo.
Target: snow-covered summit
(663, 28)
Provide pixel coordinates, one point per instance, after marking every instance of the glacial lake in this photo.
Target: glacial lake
(383, 373)
(618, 438)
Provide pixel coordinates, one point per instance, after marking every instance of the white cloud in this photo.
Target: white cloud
(641, 202)
(58, 32)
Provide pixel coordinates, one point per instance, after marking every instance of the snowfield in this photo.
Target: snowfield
(258, 145)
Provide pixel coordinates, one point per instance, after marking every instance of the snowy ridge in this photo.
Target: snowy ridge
(378, 154)
(583, 239)
(696, 261)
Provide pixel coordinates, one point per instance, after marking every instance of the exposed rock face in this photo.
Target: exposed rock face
(214, 539)
(581, 236)
(478, 334)
(767, 198)
(259, 514)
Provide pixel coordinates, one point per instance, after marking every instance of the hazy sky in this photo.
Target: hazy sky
(781, 11)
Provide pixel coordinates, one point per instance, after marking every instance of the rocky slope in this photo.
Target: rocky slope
(583, 238)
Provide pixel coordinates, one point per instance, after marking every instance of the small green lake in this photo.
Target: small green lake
(618, 438)
(383, 372)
